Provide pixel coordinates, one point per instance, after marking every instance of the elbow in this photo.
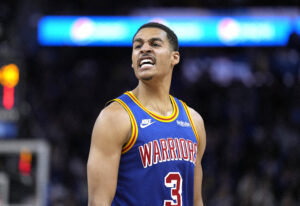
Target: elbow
(92, 201)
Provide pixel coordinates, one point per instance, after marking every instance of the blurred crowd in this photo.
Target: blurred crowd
(249, 99)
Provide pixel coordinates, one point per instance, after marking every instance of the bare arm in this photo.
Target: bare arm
(199, 124)
(110, 133)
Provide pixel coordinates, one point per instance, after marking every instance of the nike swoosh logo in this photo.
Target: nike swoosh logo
(146, 125)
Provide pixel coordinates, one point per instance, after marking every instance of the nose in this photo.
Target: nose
(146, 48)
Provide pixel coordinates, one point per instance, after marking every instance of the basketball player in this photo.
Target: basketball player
(147, 145)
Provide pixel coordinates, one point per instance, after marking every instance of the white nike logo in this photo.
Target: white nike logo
(146, 122)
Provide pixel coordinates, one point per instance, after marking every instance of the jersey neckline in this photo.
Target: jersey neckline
(158, 117)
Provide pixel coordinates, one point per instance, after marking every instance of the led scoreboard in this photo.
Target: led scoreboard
(9, 80)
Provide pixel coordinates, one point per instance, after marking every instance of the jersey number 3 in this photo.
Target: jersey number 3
(173, 180)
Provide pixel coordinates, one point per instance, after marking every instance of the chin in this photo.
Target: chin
(146, 78)
(145, 75)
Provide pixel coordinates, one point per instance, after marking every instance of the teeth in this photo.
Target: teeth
(145, 61)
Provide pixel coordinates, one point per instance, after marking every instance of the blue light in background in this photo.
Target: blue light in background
(191, 31)
(87, 31)
(297, 25)
(8, 130)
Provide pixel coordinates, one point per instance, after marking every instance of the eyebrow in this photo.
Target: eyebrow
(151, 40)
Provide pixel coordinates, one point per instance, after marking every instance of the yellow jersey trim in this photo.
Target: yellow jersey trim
(134, 132)
(161, 118)
(191, 121)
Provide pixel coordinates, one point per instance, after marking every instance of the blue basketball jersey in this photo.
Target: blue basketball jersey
(157, 164)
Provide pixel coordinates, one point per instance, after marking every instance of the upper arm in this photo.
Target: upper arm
(199, 125)
(110, 133)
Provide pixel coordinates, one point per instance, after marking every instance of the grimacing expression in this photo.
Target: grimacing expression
(152, 54)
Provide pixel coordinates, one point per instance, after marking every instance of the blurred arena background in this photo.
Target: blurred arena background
(248, 95)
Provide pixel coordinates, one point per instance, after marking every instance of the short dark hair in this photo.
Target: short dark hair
(173, 40)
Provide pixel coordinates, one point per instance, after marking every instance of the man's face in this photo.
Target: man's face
(152, 54)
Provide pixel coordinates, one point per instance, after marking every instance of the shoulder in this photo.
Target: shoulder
(199, 125)
(197, 118)
(114, 112)
(113, 122)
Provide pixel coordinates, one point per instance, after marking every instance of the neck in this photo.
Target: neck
(155, 96)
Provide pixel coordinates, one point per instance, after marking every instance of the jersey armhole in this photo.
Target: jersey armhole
(191, 121)
(134, 132)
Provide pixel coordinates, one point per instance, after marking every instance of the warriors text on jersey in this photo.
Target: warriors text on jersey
(157, 164)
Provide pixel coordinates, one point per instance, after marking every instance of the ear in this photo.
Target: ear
(176, 58)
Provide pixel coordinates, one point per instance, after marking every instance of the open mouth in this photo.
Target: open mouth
(146, 61)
